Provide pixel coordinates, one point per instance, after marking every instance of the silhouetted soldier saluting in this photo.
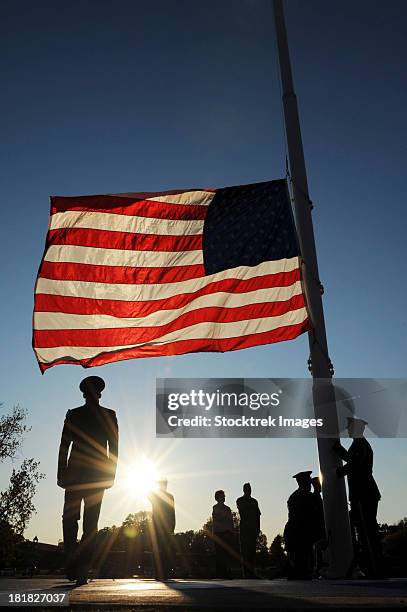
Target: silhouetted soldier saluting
(319, 536)
(163, 525)
(90, 469)
(299, 532)
(249, 530)
(364, 495)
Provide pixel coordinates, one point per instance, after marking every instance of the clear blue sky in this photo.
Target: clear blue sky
(103, 97)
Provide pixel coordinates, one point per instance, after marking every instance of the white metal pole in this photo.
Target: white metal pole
(333, 489)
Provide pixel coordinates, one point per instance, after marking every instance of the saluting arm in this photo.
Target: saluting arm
(258, 518)
(114, 444)
(172, 522)
(66, 439)
(355, 456)
(341, 451)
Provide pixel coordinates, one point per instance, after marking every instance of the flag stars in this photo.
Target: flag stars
(247, 225)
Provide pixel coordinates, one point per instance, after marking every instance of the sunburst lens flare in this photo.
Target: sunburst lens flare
(141, 478)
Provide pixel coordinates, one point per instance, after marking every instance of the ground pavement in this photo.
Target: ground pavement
(149, 595)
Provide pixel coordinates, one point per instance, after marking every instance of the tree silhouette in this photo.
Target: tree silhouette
(136, 524)
(278, 558)
(8, 542)
(16, 505)
(395, 547)
(261, 543)
(12, 430)
(16, 502)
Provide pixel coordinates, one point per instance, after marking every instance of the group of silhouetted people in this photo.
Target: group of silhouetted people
(90, 433)
(305, 534)
(223, 532)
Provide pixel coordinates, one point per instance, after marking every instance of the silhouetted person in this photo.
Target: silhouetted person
(299, 530)
(223, 535)
(319, 536)
(364, 496)
(249, 530)
(86, 473)
(163, 525)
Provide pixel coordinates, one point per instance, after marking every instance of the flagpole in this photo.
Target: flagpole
(333, 488)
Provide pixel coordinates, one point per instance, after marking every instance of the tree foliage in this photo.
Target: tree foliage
(136, 524)
(8, 543)
(277, 554)
(12, 430)
(16, 502)
(261, 543)
(195, 549)
(16, 505)
(395, 547)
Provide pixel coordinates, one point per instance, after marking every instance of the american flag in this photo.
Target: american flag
(145, 275)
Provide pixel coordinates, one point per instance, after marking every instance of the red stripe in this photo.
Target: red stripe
(120, 308)
(189, 346)
(107, 202)
(131, 335)
(123, 240)
(145, 208)
(119, 274)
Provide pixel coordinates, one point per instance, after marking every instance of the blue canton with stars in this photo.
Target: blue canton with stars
(248, 224)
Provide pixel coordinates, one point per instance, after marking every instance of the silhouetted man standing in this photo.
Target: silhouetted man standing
(86, 473)
(299, 532)
(223, 535)
(163, 523)
(249, 530)
(364, 496)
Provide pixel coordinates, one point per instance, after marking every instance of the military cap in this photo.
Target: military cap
(356, 420)
(92, 382)
(303, 475)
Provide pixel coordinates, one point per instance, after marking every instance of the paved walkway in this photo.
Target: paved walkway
(151, 596)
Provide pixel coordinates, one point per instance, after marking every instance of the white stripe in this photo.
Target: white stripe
(195, 198)
(198, 197)
(125, 223)
(60, 320)
(194, 332)
(138, 293)
(118, 257)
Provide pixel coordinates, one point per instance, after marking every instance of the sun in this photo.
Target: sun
(141, 478)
